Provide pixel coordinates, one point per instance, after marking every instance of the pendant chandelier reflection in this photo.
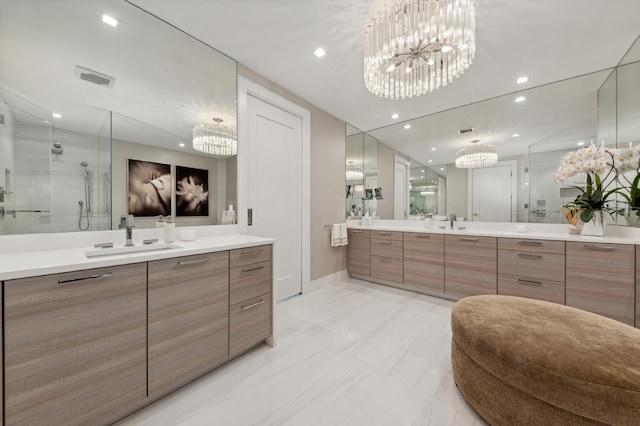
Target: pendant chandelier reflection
(476, 156)
(418, 46)
(216, 140)
(353, 172)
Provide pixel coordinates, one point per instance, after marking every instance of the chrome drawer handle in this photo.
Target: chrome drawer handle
(255, 268)
(529, 282)
(251, 251)
(469, 239)
(530, 243)
(384, 233)
(253, 305)
(192, 262)
(530, 256)
(385, 260)
(386, 242)
(599, 247)
(356, 231)
(423, 236)
(90, 277)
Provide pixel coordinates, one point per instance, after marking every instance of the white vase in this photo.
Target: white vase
(595, 227)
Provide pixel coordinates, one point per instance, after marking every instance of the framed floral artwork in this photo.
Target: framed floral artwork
(149, 188)
(192, 192)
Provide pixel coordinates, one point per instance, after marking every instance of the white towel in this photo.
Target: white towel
(335, 235)
(344, 238)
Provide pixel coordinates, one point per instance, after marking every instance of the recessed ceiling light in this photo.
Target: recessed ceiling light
(421, 171)
(394, 116)
(515, 135)
(109, 20)
(441, 168)
(433, 149)
(580, 143)
(407, 126)
(181, 145)
(520, 99)
(56, 115)
(422, 176)
(522, 79)
(319, 52)
(430, 161)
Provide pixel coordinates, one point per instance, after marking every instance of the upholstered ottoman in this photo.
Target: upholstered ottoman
(526, 362)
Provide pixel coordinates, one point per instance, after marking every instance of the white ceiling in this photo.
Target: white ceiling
(548, 40)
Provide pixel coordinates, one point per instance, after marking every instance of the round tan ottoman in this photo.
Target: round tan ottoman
(526, 362)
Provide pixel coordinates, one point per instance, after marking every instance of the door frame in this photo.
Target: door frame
(248, 88)
(404, 163)
(514, 189)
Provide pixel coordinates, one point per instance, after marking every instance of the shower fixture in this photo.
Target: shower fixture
(56, 148)
(85, 206)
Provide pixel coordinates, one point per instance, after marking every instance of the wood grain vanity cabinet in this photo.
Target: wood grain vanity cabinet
(188, 319)
(250, 298)
(531, 268)
(386, 256)
(75, 346)
(358, 252)
(600, 279)
(638, 286)
(470, 265)
(424, 261)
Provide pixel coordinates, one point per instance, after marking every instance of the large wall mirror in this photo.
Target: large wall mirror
(532, 130)
(98, 121)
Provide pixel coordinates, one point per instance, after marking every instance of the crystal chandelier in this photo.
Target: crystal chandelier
(476, 156)
(353, 172)
(417, 46)
(216, 140)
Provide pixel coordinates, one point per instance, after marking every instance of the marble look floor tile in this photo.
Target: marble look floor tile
(351, 353)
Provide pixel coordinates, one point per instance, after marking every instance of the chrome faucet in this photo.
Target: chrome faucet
(126, 221)
(452, 218)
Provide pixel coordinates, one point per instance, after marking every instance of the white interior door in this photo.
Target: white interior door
(275, 188)
(401, 189)
(493, 194)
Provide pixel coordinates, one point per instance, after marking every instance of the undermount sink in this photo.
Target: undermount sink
(129, 250)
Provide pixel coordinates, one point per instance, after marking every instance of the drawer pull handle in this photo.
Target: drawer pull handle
(255, 268)
(251, 251)
(253, 305)
(356, 231)
(530, 256)
(530, 243)
(385, 260)
(423, 236)
(90, 277)
(386, 242)
(599, 247)
(529, 282)
(469, 239)
(192, 262)
(384, 233)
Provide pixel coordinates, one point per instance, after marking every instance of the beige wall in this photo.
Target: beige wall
(327, 179)
(456, 191)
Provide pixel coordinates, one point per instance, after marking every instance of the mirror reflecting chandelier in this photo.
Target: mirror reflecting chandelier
(217, 140)
(418, 46)
(353, 172)
(476, 156)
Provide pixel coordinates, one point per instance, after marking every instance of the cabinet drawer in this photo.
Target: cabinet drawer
(249, 255)
(386, 268)
(531, 265)
(362, 234)
(471, 246)
(387, 235)
(538, 246)
(249, 323)
(541, 289)
(249, 281)
(386, 248)
(423, 247)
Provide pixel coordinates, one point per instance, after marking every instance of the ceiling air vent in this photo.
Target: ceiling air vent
(465, 131)
(94, 77)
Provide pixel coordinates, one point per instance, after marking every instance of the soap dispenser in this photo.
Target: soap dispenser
(160, 222)
(169, 230)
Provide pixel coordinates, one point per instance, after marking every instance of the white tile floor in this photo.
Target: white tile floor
(352, 353)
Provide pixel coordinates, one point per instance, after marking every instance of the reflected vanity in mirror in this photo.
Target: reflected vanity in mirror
(531, 135)
(79, 98)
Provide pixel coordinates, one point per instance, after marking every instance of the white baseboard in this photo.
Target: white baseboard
(326, 280)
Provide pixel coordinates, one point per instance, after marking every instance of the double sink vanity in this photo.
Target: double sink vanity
(91, 335)
(546, 263)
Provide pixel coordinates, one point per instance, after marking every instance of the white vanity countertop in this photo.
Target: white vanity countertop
(613, 234)
(36, 263)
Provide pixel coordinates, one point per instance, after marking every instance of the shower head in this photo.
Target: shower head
(56, 148)
(84, 164)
